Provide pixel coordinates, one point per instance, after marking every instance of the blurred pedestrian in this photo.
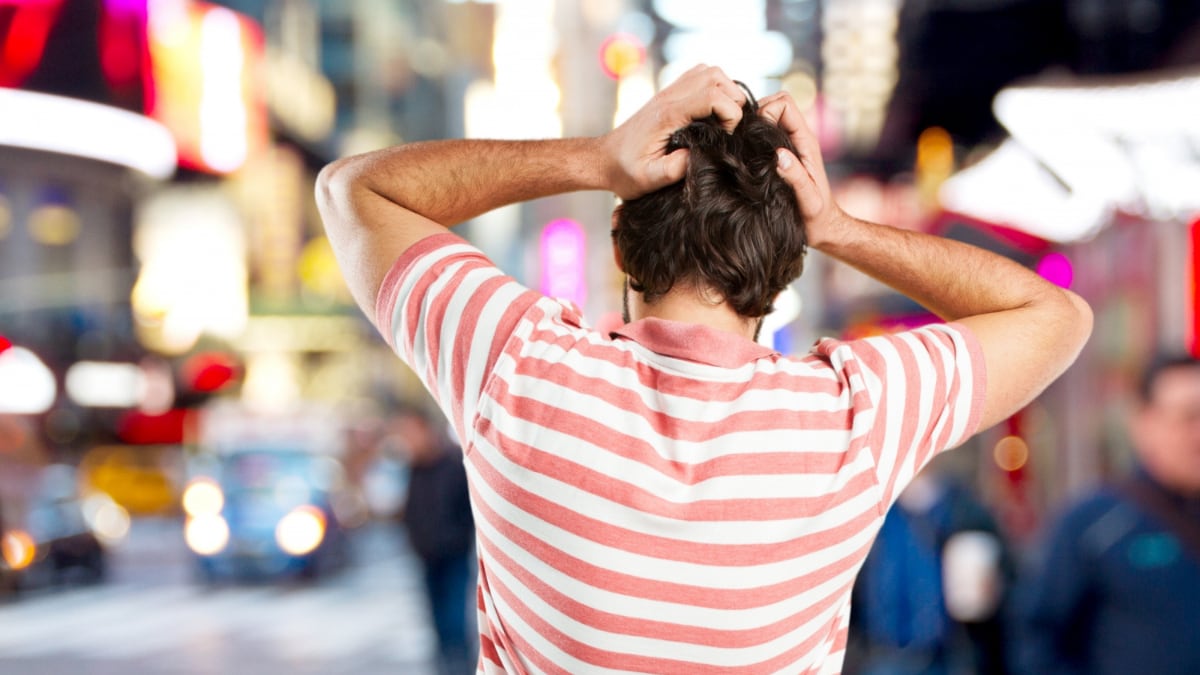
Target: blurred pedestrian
(675, 497)
(437, 515)
(1116, 589)
(929, 598)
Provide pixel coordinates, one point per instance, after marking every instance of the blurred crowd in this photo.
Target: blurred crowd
(1111, 586)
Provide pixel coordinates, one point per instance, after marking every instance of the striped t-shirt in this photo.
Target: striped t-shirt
(670, 498)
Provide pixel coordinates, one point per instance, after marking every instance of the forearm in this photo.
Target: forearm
(1029, 329)
(951, 279)
(449, 182)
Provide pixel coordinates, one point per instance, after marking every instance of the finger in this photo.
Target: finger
(727, 99)
(727, 110)
(798, 176)
(782, 108)
(707, 90)
(769, 109)
(669, 169)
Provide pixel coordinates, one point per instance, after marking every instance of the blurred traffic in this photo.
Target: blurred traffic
(189, 398)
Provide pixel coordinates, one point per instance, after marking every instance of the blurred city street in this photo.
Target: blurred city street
(210, 455)
(153, 617)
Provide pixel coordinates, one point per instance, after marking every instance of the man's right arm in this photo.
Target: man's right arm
(1029, 330)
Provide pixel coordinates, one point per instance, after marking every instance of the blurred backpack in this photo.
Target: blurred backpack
(900, 620)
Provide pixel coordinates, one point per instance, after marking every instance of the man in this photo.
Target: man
(437, 515)
(1117, 589)
(928, 598)
(675, 498)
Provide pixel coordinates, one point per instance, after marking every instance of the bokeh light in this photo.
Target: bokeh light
(301, 530)
(1057, 269)
(564, 261)
(18, 549)
(203, 497)
(54, 224)
(1011, 453)
(206, 534)
(620, 55)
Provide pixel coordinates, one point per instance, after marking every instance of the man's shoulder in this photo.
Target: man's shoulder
(1093, 503)
(1103, 505)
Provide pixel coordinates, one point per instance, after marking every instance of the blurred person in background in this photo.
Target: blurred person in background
(674, 497)
(1116, 588)
(437, 516)
(929, 598)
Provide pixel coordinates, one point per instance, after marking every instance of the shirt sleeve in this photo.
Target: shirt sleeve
(913, 394)
(447, 311)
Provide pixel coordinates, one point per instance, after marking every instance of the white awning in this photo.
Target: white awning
(85, 129)
(1081, 151)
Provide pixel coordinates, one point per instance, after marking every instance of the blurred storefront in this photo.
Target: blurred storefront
(1096, 169)
(157, 159)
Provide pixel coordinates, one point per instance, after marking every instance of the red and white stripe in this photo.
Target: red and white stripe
(673, 499)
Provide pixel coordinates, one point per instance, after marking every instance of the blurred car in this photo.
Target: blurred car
(58, 535)
(266, 512)
(145, 480)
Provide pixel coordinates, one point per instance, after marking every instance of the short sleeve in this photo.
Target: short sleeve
(447, 311)
(913, 395)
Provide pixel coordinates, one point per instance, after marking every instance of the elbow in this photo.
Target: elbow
(333, 187)
(1078, 324)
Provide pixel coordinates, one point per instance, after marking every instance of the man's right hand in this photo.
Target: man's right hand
(636, 151)
(1028, 329)
(806, 173)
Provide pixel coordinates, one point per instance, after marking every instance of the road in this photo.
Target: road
(152, 617)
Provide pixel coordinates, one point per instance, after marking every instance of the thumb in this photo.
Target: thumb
(797, 176)
(789, 167)
(672, 167)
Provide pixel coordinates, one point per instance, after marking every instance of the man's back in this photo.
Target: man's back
(673, 498)
(571, 549)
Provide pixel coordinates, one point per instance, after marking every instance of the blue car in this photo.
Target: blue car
(260, 513)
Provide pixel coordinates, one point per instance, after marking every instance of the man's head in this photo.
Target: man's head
(731, 228)
(1166, 427)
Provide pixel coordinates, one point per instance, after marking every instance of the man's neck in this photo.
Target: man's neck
(686, 305)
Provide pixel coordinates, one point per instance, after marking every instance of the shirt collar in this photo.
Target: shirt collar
(693, 342)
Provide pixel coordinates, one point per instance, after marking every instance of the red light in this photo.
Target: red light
(5, 343)
(209, 372)
(139, 428)
(620, 55)
(22, 44)
(120, 51)
(1194, 287)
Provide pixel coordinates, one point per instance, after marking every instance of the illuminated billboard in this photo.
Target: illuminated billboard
(193, 66)
(94, 51)
(207, 64)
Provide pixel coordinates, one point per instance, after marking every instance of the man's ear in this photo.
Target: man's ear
(615, 248)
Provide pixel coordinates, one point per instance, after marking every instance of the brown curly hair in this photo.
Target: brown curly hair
(732, 224)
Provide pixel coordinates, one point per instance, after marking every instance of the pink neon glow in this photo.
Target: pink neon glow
(1057, 269)
(563, 249)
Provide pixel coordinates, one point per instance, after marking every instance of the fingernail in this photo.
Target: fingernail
(785, 159)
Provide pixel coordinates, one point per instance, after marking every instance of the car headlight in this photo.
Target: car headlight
(18, 549)
(203, 497)
(301, 530)
(108, 520)
(206, 534)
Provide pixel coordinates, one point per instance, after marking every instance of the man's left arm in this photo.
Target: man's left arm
(377, 205)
